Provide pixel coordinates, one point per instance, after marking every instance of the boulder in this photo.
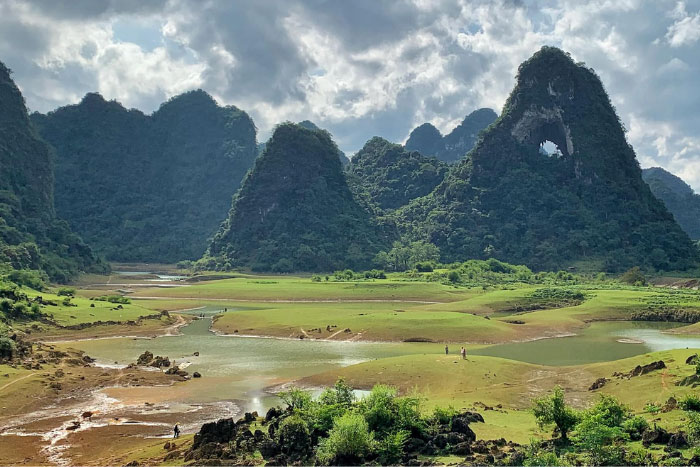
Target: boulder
(644, 369)
(692, 360)
(678, 440)
(221, 431)
(272, 413)
(655, 435)
(196, 374)
(145, 358)
(597, 384)
(462, 449)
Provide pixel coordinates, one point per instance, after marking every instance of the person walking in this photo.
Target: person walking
(176, 431)
(447, 350)
(463, 352)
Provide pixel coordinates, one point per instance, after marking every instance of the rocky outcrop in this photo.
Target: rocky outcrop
(147, 359)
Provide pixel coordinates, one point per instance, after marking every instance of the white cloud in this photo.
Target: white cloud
(363, 68)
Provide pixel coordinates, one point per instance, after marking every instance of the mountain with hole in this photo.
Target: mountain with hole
(295, 211)
(582, 205)
(678, 197)
(452, 147)
(31, 236)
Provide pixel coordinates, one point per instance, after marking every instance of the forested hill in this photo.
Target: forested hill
(678, 197)
(391, 176)
(295, 211)
(585, 204)
(452, 147)
(148, 188)
(30, 235)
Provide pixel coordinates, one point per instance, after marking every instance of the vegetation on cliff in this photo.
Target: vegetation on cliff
(452, 147)
(586, 203)
(678, 197)
(295, 212)
(390, 176)
(31, 237)
(148, 188)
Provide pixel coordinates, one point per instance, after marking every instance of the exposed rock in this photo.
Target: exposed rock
(671, 404)
(196, 374)
(655, 435)
(644, 369)
(692, 360)
(599, 383)
(678, 440)
(221, 431)
(692, 381)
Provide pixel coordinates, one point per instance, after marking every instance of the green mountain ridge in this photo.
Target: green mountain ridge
(148, 188)
(295, 211)
(508, 200)
(31, 236)
(678, 196)
(452, 147)
(391, 176)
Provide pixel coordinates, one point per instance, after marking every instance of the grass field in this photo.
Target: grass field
(489, 381)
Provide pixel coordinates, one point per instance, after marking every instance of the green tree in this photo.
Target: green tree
(349, 442)
(552, 409)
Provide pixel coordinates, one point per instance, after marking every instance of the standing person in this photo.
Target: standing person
(176, 431)
(447, 350)
(463, 352)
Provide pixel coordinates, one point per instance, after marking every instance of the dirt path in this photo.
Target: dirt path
(16, 381)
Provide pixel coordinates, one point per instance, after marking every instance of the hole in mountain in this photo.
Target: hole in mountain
(551, 138)
(550, 149)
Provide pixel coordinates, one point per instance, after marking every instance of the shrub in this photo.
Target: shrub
(7, 348)
(599, 441)
(552, 409)
(293, 435)
(378, 408)
(635, 426)
(296, 398)
(634, 276)
(390, 449)
(691, 402)
(315, 278)
(536, 456)
(443, 416)
(453, 276)
(424, 267)
(32, 279)
(349, 441)
(609, 411)
(66, 292)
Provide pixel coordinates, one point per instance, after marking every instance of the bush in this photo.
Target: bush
(390, 449)
(635, 426)
(424, 267)
(453, 276)
(66, 292)
(552, 409)
(609, 411)
(634, 276)
(536, 456)
(315, 278)
(443, 416)
(32, 279)
(293, 436)
(378, 408)
(296, 399)
(349, 441)
(691, 402)
(7, 348)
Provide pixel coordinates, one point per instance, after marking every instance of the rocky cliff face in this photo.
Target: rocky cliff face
(678, 196)
(30, 235)
(148, 188)
(427, 140)
(586, 203)
(295, 211)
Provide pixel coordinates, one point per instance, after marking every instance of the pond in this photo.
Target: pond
(601, 341)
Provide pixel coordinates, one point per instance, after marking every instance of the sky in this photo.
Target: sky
(362, 68)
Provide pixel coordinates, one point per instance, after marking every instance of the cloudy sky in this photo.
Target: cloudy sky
(363, 67)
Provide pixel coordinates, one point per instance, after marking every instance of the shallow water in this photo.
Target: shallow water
(242, 368)
(600, 342)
